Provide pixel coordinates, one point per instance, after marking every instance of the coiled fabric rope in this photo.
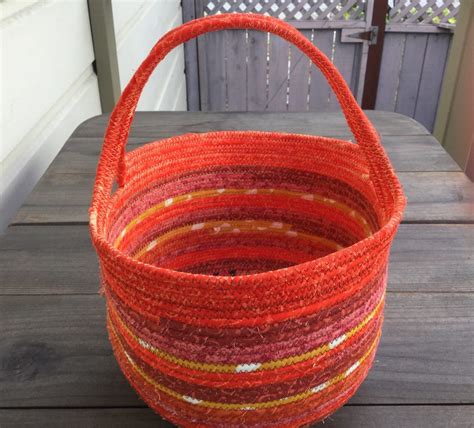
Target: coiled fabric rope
(244, 272)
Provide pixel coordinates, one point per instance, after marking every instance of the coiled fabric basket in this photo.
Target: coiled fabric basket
(244, 272)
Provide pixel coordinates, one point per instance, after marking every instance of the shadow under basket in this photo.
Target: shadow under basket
(244, 272)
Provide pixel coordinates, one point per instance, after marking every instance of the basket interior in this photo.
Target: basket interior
(220, 207)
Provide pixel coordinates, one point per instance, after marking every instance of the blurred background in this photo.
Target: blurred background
(64, 61)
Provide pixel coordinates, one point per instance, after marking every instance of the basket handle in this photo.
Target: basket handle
(112, 159)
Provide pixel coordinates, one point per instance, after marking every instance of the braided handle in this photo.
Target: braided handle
(112, 159)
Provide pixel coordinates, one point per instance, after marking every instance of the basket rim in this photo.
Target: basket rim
(333, 143)
(385, 233)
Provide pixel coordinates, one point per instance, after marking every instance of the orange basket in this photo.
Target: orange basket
(244, 272)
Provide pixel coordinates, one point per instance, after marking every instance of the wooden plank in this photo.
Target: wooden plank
(202, 63)
(401, 417)
(61, 260)
(48, 260)
(257, 71)
(408, 154)
(54, 352)
(432, 196)
(82, 418)
(345, 57)
(320, 90)
(299, 78)
(417, 154)
(278, 74)
(191, 61)
(413, 57)
(236, 66)
(432, 359)
(416, 28)
(155, 125)
(434, 416)
(326, 24)
(432, 258)
(392, 59)
(431, 79)
(438, 197)
(215, 57)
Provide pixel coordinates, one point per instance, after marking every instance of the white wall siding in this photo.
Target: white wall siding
(138, 26)
(48, 86)
(48, 89)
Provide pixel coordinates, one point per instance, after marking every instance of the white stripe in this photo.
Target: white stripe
(191, 399)
(352, 368)
(337, 342)
(151, 245)
(319, 388)
(245, 368)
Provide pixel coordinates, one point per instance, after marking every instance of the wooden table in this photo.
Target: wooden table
(56, 364)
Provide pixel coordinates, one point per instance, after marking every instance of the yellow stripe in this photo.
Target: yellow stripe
(218, 192)
(246, 406)
(243, 226)
(231, 368)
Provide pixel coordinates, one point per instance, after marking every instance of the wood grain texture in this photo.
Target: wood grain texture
(410, 72)
(278, 74)
(319, 88)
(215, 71)
(392, 59)
(156, 125)
(236, 69)
(437, 49)
(432, 196)
(56, 365)
(257, 71)
(299, 78)
(417, 153)
(438, 197)
(61, 260)
(346, 56)
(348, 417)
(64, 192)
(55, 353)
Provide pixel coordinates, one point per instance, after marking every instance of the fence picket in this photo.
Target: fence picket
(236, 70)
(257, 71)
(215, 65)
(319, 88)
(431, 79)
(246, 70)
(344, 59)
(278, 74)
(299, 78)
(410, 73)
(392, 58)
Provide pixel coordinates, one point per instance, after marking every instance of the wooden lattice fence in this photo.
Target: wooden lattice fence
(249, 71)
(416, 45)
